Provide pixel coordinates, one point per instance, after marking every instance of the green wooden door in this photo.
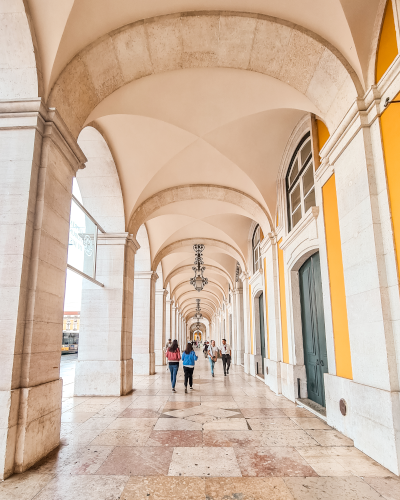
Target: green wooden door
(313, 323)
(262, 329)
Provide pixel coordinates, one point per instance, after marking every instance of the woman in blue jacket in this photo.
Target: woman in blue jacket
(188, 360)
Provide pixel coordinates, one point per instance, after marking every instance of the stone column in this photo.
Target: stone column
(38, 161)
(159, 323)
(246, 322)
(168, 307)
(238, 322)
(143, 323)
(173, 320)
(104, 366)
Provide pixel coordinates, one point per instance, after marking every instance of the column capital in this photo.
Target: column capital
(118, 239)
(165, 292)
(145, 275)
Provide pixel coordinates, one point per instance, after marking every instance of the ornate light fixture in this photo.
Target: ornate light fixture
(199, 281)
(198, 314)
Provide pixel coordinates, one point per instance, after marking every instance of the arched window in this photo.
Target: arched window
(300, 182)
(256, 249)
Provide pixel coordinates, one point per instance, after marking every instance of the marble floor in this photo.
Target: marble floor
(230, 438)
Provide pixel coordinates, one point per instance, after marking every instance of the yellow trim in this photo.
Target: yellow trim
(251, 321)
(261, 234)
(390, 125)
(266, 304)
(282, 296)
(323, 134)
(336, 279)
(387, 46)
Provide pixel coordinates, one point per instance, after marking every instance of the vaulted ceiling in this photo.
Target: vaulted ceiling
(211, 118)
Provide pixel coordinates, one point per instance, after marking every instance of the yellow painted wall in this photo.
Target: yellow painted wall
(323, 134)
(282, 294)
(266, 306)
(390, 126)
(387, 47)
(336, 279)
(251, 320)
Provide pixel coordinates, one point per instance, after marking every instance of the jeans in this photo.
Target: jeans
(174, 371)
(212, 363)
(226, 361)
(188, 375)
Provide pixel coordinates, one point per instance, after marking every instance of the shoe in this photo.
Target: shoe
(186, 390)
(212, 374)
(173, 390)
(191, 388)
(225, 374)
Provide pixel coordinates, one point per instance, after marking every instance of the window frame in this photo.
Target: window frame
(256, 248)
(298, 179)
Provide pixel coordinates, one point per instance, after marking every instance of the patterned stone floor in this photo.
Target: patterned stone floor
(229, 439)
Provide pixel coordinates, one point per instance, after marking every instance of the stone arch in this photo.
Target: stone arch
(200, 192)
(21, 75)
(188, 267)
(213, 39)
(209, 292)
(143, 257)
(99, 182)
(229, 249)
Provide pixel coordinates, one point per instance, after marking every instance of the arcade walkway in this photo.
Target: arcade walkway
(231, 438)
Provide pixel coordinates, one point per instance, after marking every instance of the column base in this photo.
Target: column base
(371, 418)
(144, 364)
(160, 357)
(103, 378)
(289, 385)
(30, 420)
(273, 375)
(246, 362)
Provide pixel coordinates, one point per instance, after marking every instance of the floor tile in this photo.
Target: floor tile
(180, 405)
(330, 488)
(327, 466)
(23, 486)
(311, 423)
(275, 461)
(164, 488)
(76, 417)
(297, 412)
(204, 462)
(175, 438)
(263, 413)
(97, 423)
(330, 438)
(122, 437)
(139, 413)
(109, 412)
(86, 460)
(231, 438)
(102, 400)
(329, 451)
(388, 487)
(226, 424)
(133, 423)
(84, 488)
(190, 396)
(138, 461)
(88, 408)
(291, 438)
(271, 424)
(177, 424)
(363, 466)
(82, 437)
(247, 488)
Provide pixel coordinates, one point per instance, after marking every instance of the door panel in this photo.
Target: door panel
(313, 324)
(262, 329)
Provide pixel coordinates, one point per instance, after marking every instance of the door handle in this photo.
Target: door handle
(321, 363)
(317, 361)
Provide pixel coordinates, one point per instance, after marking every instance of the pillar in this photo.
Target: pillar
(38, 161)
(168, 320)
(104, 366)
(246, 323)
(173, 320)
(144, 323)
(158, 327)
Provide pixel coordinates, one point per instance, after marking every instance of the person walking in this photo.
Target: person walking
(212, 355)
(205, 350)
(188, 360)
(167, 346)
(226, 352)
(173, 355)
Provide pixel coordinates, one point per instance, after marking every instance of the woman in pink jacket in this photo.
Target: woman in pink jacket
(174, 355)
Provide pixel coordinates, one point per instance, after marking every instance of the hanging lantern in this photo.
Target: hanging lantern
(198, 281)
